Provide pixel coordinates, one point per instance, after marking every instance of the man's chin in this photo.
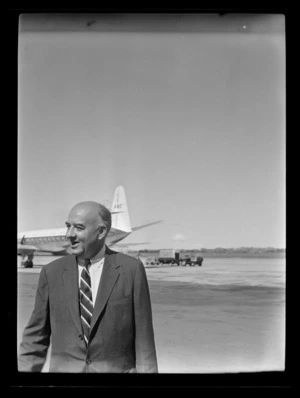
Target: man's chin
(76, 250)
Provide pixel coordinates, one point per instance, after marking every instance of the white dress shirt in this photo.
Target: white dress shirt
(95, 270)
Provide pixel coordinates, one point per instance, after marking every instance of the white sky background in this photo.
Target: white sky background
(189, 116)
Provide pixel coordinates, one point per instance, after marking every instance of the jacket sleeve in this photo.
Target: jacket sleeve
(36, 335)
(146, 361)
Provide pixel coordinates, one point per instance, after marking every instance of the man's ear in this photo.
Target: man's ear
(101, 232)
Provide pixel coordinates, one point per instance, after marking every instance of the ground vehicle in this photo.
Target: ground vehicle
(175, 257)
(168, 256)
(190, 260)
(195, 260)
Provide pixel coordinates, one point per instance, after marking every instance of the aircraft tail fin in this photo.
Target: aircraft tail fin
(119, 211)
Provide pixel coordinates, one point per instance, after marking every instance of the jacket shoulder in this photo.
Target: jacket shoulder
(58, 264)
(126, 259)
(128, 262)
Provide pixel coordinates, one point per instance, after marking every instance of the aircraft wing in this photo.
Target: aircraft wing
(53, 247)
(145, 225)
(26, 249)
(131, 244)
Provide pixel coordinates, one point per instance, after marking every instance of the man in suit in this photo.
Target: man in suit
(94, 304)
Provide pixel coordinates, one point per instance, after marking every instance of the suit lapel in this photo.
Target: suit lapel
(110, 274)
(70, 278)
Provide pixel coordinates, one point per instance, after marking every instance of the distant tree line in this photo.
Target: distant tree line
(222, 250)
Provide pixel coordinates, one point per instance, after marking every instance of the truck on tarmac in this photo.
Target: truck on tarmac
(175, 257)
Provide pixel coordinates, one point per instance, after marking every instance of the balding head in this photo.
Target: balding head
(88, 225)
(94, 212)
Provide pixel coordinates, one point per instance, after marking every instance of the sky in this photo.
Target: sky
(186, 112)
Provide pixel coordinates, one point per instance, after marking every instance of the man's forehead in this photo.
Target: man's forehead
(84, 212)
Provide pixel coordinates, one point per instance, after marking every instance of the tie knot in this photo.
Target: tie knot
(87, 263)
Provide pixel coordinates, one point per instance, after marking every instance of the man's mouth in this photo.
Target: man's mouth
(74, 244)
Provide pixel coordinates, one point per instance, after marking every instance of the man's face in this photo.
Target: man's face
(82, 231)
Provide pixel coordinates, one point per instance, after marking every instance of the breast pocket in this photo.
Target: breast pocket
(126, 300)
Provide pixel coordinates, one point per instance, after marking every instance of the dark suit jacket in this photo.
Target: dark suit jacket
(121, 337)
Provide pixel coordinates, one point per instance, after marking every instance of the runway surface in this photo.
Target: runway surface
(200, 324)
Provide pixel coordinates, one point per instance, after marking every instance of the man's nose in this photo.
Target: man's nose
(70, 233)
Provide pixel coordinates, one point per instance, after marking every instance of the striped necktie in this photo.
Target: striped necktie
(86, 300)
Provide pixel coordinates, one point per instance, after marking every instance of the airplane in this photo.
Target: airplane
(54, 241)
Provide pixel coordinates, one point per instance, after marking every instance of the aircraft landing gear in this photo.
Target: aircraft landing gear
(28, 264)
(27, 260)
